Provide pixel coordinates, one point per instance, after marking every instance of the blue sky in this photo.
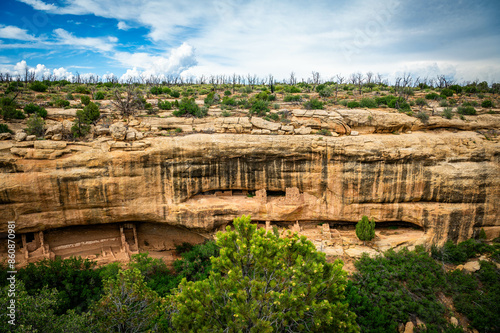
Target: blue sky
(460, 39)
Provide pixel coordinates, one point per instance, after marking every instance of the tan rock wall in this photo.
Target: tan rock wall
(446, 182)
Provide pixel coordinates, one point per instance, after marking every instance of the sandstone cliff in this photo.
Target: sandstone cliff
(447, 183)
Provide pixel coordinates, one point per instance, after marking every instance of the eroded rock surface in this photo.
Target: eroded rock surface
(447, 183)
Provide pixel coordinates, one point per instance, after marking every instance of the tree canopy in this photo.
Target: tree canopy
(262, 282)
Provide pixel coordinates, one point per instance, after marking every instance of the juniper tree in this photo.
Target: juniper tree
(365, 229)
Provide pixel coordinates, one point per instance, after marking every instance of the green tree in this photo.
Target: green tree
(128, 304)
(35, 125)
(365, 229)
(263, 283)
(81, 125)
(92, 112)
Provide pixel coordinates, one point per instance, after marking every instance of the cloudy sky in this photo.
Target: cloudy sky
(457, 38)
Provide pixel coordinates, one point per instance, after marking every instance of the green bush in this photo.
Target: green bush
(353, 104)
(460, 253)
(99, 95)
(365, 229)
(368, 103)
(226, 113)
(274, 116)
(421, 101)
(466, 110)
(227, 93)
(166, 90)
(456, 88)
(424, 117)
(446, 92)
(292, 98)
(92, 112)
(82, 90)
(487, 104)
(433, 96)
(35, 125)
(324, 131)
(4, 128)
(447, 113)
(313, 104)
(444, 103)
(226, 100)
(259, 107)
(81, 125)
(10, 112)
(327, 91)
(38, 86)
(175, 94)
(156, 90)
(292, 89)
(61, 103)
(85, 100)
(164, 105)
(188, 106)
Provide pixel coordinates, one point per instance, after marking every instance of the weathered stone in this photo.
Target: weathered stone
(264, 124)
(20, 136)
(50, 145)
(354, 133)
(31, 138)
(130, 136)
(472, 266)
(5, 136)
(57, 137)
(303, 130)
(133, 123)
(409, 327)
(101, 130)
(118, 131)
(54, 129)
(139, 135)
(287, 128)
(357, 251)
(454, 321)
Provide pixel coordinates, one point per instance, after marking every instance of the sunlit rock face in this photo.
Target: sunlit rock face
(447, 183)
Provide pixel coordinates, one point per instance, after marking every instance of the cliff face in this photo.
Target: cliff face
(447, 183)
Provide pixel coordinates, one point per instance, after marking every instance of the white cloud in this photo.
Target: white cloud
(99, 44)
(122, 26)
(12, 32)
(178, 61)
(39, 5)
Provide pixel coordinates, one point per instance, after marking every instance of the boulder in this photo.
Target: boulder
(20, 136)
(31, 138)
(54, 129)
(57, 137)
(5, 136)
(472, 266)
(50, 145)
(409, 327)
(118, 131)
(354, 133)
(287, 128)
(130, 136)
(303, 130)
(101, 130)
(454, 321)
(264, 124)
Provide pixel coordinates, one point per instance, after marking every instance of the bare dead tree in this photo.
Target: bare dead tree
(129, 102)
(293, 79)
(315, 79)
(271, 83)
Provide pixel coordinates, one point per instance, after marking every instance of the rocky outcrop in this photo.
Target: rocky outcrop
(446, 183)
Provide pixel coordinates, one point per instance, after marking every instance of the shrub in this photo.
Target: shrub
(368, 103)
(365, 229)
(227, 93)
(38, 86)
(424, 117)
(461, 252)
(10, 112)
(164, 105)
(444, 103)
(327, 91)
(292, 98)
(35, 125)
(70, 97)
(447, 113)
(259, 107)
(166, 90)
(92, 112)
(344, 102)
(274, 116)
(353, 104)
(82, 90)
(466, 110)
(324, 131)
(4, 128)
(292, 89)
(313, 104)
(226, 113)
(447, 92)
(99, 95)
(175, 94)
(456, 88)
(433, 96)
(85, 100)
(156, 90)
(61, 103)
(226, 100)
(271, 98)
(487, 104)
(188, 106)
(422, 102)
